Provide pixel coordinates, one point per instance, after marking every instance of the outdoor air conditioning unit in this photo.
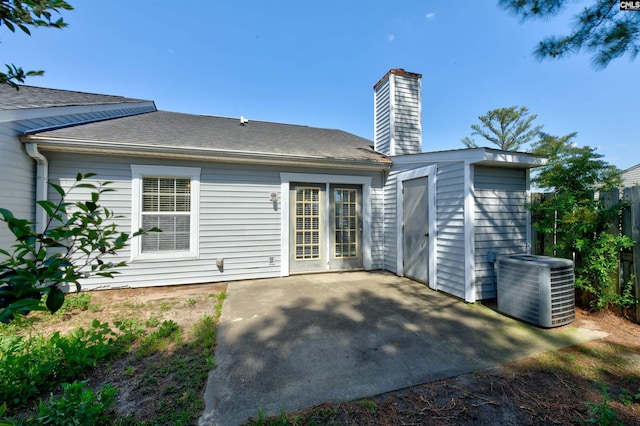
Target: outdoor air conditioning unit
(536, 289)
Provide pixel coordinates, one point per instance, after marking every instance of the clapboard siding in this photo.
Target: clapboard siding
(390, 222)
(501, 221)
(238, 222)
(397, 110)
(631, 177)
(382, 117)
(17, 192)
(449, 227)
(407, 128)
(450, 223)
(377, 226)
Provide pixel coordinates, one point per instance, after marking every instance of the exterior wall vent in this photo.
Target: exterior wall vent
(536, 289)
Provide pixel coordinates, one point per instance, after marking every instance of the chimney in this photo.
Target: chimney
(397, 113)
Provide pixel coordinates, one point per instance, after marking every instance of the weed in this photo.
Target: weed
(164, 306)
(219, 301)
(190, 302)
(167, 328)
(3, 410)
(262, 414)
(78, 302)
(602, 413)
(129, 332)
(211, 363)
(176, 377)
(204, 333)
(191, 361)
(152, 322)
(29, 366)
(169, 332)
(78, 405)
(372, 406)
(627, 397)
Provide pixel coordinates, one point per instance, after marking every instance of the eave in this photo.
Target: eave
(201, 154)
(477, 156)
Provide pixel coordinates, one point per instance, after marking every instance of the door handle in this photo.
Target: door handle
(426, 235)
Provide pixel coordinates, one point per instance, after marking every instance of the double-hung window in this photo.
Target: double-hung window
(166, 198)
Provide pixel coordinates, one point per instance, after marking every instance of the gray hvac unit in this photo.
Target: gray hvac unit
(536, 289)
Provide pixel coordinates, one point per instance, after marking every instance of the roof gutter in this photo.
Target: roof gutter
(42, 183)
(202, 154)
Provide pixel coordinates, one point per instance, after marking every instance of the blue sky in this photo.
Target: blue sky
(315, 63)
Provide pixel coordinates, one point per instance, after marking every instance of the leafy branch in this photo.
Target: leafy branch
(22, 14)
(75, 243)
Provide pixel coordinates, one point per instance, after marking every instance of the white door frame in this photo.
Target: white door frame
(285, 183)
(430, 172)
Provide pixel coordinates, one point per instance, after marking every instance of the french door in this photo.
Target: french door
(326, 227)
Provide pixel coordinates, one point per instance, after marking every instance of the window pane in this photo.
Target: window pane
(166, 204)
(307, 221)
(345, 223)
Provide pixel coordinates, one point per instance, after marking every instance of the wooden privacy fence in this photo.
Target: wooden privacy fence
(627, 224)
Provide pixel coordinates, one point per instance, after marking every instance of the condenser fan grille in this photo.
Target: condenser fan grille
(536, 289)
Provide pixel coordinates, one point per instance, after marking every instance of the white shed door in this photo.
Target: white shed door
(415, 226)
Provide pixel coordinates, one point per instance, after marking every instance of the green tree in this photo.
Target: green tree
(23, 14)
(508, 128)
(600, 28)
(75, 243)
(580, 221)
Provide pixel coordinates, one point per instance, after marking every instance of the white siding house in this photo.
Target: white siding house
(32, 109)
(631, 176)
(241, 199)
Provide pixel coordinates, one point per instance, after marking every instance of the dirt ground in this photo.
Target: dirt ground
(553, 388)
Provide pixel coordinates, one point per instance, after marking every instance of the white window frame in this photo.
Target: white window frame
(138, 172)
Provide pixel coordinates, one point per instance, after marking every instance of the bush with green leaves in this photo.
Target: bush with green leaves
(76, 242)
(78, 405)
(581, 223)
(32, 365)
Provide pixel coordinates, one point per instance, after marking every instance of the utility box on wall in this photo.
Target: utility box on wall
(536, 289)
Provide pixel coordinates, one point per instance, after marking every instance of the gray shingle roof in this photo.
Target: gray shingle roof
(162, 129)
(40, 97)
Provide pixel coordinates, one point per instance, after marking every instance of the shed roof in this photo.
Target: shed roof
(175, 134)
(39, 97)
(479, 156)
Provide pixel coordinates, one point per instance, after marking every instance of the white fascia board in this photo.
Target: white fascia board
(236, 157)
(392, 114)
(474, 156)
(469, 235)
(34, 113)
(509, 157)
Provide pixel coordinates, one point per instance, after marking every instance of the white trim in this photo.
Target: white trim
(419, 114)
(392, 114)
(481, 156)
(137, 173)
(430, 173)
(469, 231)
(529, 243)
(285, 181)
